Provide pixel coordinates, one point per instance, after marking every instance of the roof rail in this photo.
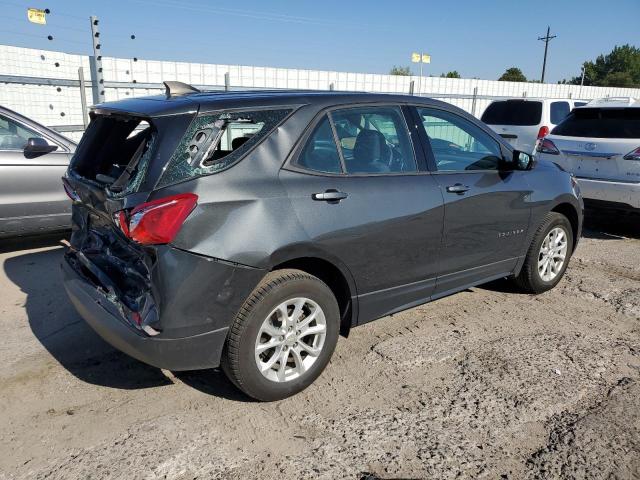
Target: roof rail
(174, 89)
(623, 101)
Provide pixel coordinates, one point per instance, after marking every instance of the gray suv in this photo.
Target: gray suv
(250, 229)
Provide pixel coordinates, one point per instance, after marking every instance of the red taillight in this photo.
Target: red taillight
(547, 146)
(543, 132)
(633, 155)
(158, 221)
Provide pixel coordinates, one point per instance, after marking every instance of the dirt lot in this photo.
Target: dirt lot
(488, 383)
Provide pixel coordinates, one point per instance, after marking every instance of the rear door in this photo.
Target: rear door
(32, 198)
(486, 209)
(368, 205)
(517, 121)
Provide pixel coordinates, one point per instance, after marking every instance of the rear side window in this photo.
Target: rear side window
(559, 110)
(216, 141)
(374, 140)
(513, 112)
(320, 153)
(601, 123)
(579, 104)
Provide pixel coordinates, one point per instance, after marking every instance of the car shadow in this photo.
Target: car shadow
(212, 382)
(65, 335)
(502, 285)
(611, 225)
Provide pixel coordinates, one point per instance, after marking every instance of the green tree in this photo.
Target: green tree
(453, 74)
(513, 74)
(403, 71)
(619, 68)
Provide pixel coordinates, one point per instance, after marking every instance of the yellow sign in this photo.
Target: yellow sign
(35, 15)
(415, 57)
(426, 58)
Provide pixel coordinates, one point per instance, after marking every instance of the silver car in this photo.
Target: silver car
(33, 158)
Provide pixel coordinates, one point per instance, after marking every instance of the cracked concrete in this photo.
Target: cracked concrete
(489, 383)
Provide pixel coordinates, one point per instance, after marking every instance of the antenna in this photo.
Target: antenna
(173, 88)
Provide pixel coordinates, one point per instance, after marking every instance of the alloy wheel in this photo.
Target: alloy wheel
(290, 339)
(553, 254)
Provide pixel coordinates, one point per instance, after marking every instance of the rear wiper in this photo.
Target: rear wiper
(124, 177)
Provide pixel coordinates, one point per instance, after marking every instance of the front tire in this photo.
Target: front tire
(548, 255)
(283, 336)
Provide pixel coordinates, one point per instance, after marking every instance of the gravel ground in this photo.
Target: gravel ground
(488, 383)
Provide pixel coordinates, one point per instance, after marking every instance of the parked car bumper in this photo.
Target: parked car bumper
(210, 319)
(610, 191)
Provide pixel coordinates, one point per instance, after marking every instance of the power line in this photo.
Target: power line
(242, 13)
(50, 25)
(62, 39)
(546, 39)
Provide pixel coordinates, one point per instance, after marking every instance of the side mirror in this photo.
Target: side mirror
(37, 146)
(522, 160)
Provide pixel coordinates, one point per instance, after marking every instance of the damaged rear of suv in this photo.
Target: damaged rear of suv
(132, 186)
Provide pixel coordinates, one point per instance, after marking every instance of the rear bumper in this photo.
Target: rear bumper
(621, 193)
(189, 353)
(196, 299)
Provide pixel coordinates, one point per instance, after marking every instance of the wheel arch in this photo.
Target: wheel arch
(337, 279)
(570, 211)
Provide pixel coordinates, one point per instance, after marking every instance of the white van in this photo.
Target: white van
(522, 121)
(600, 144)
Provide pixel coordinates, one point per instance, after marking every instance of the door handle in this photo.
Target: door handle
(458, 188)
(331, 196)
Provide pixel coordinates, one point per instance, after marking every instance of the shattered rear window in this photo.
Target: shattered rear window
(115, 152)
(217, 141)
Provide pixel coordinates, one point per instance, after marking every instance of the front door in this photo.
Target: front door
(486, 210)
(32, 197)
(366, 205)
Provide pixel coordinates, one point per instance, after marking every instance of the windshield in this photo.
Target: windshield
(513, 112)
(601, 123)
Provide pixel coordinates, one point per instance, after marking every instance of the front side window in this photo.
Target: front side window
(559, 110)
(374, 140)
(457, 144)
(13, 136)
(321, 153)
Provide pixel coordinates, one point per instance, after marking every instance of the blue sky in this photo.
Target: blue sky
(477, 38)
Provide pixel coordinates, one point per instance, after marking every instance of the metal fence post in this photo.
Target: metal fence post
(227, 82)
(473, 102)
(411, 86)
(83, 97)
(95, 62)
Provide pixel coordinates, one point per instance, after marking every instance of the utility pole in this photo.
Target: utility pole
(546, 39)
(582, 79)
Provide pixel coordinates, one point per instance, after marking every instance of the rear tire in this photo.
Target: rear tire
(548, 255)
(283, 336)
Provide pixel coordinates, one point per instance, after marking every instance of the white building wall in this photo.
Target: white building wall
(56, 105)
